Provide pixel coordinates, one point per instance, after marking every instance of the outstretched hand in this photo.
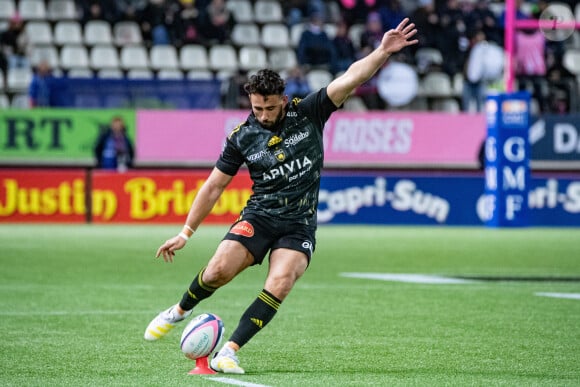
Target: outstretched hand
(167, 250)
(396, 39)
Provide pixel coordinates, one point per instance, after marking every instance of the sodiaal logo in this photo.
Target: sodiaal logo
(404, 197)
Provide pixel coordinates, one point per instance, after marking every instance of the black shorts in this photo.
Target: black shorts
(259, 234)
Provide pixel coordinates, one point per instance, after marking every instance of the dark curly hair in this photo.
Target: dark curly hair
(265, 82)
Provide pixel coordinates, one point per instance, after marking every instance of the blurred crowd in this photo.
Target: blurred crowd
(459, 30)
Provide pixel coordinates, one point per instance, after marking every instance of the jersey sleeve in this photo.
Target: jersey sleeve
(318, 106)
(230, 159)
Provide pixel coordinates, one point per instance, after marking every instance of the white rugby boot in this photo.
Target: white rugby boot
(226, 361)
(164, 323)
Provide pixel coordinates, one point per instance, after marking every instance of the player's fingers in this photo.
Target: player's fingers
(402, 24)
(409, 28)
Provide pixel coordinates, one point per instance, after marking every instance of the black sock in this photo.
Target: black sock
(197, 291)
(260, 313)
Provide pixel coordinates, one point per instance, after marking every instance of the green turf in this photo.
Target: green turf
(74, 302)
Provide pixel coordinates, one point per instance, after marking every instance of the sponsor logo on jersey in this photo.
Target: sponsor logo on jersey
(292, 167)
(258, 156)
(280, 155)
(296, 138)
(274, 141)
(291, 114)
(243, 228)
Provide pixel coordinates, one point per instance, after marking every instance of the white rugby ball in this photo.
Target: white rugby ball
(202, 335)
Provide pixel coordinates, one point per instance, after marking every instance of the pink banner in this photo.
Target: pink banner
(377, 139)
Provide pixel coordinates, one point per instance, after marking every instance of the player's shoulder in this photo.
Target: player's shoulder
(239, 128)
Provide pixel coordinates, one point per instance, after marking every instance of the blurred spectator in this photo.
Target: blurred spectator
(356, 11)
(474, 83)
(520, 14)
(98, 10)
(344, 47)
(234, 96)
(391, 14)
(130, 9)
(372, 34)
(187, 24)
(158, 21)
(216, 22)
(296, 84)
(315, 49)
(483, 18)
(427, 22)
(41, 90)
(297, 11)
(14, 43)
(453, 42)
(113, 149)
(530, 64)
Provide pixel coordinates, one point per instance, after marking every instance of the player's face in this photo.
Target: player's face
(268, 109)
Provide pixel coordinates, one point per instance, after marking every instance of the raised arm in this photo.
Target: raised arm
(363, 69)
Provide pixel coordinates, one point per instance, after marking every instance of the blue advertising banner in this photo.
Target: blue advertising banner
(453, 200)
(556, 138)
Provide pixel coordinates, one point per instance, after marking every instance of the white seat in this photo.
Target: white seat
(44, 53)
(32, 9)
(80, 72)
(68, 32)
(18, 79)
(4, 102)
(282, 58)
(170, 74)
(193, 57)
(275, 35)
(104, 57)
(241, 10)
(20, 101)
(134, 57)
(268, 11)
(354, 33)
(110, 73)
(296, 32)
(7, 9)
(39, 32)
(163, 57)
(223, 57)
(245, 34)
(140, 74)
(425, 57)
(330, 30)
(252, 57)
(74, 56)
(127, 32)
(61, 10)
(97, 32)
(449, 105)
(436, 84)
(318, 79)
(571, 60)
(199, 74)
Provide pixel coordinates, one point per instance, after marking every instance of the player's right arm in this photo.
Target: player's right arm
(204, 201)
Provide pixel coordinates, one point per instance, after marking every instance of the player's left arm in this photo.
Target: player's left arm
(362, 70)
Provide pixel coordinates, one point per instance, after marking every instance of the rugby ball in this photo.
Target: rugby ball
(202, 335)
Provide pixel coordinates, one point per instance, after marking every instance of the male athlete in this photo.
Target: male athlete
(281, 144)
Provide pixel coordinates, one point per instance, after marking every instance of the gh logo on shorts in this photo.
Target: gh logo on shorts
(307, 245)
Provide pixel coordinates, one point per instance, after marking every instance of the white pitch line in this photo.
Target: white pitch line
(235, 382)
(571, 296)
(412, 278)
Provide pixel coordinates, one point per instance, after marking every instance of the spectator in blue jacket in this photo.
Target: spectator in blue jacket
(114, 149)
(315, 49)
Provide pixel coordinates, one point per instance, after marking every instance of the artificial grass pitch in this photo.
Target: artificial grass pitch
(75, 300)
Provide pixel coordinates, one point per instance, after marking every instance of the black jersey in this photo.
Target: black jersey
(285, 163)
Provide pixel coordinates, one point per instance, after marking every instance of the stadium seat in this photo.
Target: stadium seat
(268, 11)
(193, 57)
(282, 58)
(241, 10)
(223, 57)
(355, 104)
(275, 35)
(80, 72)
(18, 79)
(134, 57)
(39, 32)
(46, 53)
(318, 78)
(295, 33)
(7, 9)
(170, 74)
(97, 32)
(458, 84)
(32, 9)
(435, 84)
(127, 32)
(4, 101)
(426, 57)
(330, 30)
(199, 74)
(104, 57)
(74, 56)
(110, 73)
(140, 73)
(61, 10)
(163, 57)
(245, 34)
(68, 32)
(354, 33)
(20, 101)
(448, 105)
(571, 60)
(252, 58)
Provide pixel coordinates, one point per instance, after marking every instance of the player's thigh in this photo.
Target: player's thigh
(286, 266)
(230, 258)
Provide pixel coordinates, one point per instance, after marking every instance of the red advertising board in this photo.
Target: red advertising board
(161, 196)
(42, 195)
